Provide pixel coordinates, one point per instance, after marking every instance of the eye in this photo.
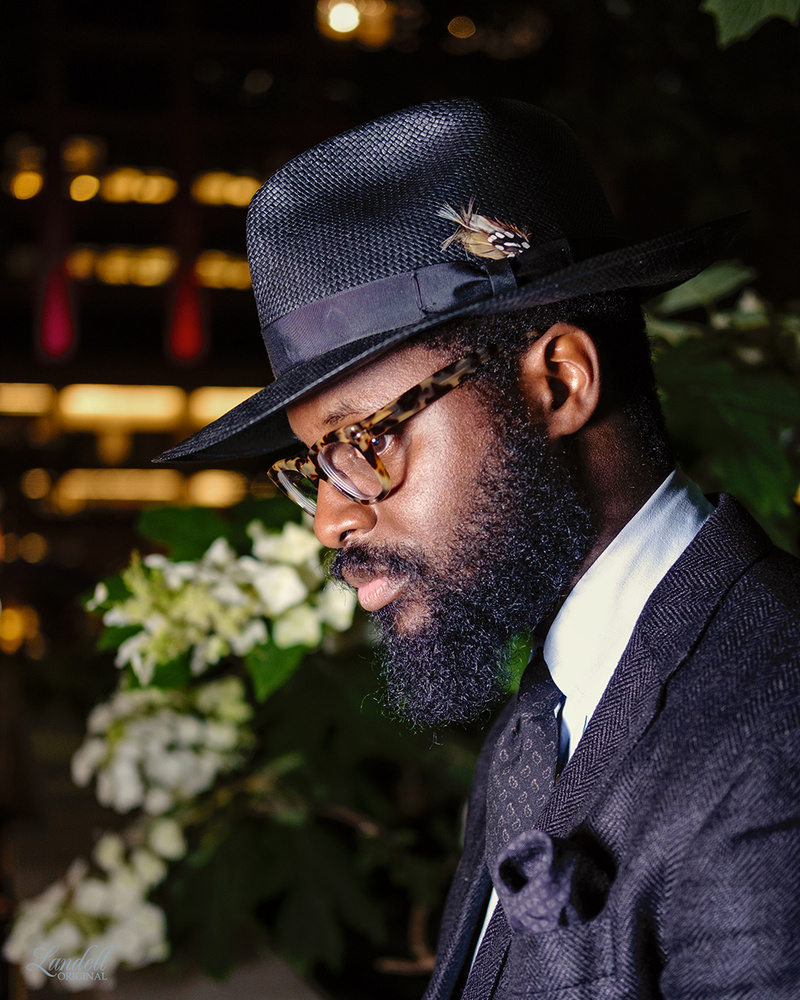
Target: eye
(380, 444)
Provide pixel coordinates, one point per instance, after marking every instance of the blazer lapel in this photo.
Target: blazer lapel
(670, 625)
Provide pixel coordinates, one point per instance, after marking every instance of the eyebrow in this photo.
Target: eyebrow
(346, 408)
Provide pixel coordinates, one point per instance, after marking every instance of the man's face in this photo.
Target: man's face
(480, 536)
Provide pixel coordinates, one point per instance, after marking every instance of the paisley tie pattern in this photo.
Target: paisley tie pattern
(523, 768)
(521, 777)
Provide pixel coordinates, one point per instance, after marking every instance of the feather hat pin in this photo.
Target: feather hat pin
(482, 236)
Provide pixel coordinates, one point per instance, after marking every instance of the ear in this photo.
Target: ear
(560, 378)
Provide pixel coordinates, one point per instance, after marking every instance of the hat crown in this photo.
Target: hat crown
(363, 206)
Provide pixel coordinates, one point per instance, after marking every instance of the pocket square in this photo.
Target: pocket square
(548, 882)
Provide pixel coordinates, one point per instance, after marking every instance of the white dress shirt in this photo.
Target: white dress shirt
(590, 632)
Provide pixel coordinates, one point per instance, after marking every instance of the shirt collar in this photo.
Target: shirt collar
(593, 627)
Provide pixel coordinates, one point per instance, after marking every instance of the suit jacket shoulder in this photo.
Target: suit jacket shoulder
(686, 787)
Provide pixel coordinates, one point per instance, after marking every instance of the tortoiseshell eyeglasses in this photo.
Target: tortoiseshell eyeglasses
(350, 458)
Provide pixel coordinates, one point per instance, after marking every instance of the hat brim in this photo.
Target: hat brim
(259, 426)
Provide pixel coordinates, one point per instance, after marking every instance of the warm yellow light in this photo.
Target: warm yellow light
(12, 629)
(80, 488)
(35, 484)
(209, 189)
(80, 263)
(84, 187)
(113, 447)
(153, 266)
(114, 266)
(216, 269)
(86, 407)
(17, 624)
(26, 184)
(344, 17)
(210, 267)
(216, 488)
(33, 547)
(212, 401)
(155, 189)
(240, 190)
(147, 266)
(26, 399)
(462, 27)
(220, 188)
(120, 184)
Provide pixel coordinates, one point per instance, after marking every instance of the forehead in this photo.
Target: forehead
(363, 392)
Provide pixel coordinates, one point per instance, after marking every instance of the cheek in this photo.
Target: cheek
(444, 458)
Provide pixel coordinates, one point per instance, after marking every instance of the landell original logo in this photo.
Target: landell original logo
(91, 965)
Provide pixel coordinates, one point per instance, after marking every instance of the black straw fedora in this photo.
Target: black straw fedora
(351, 250)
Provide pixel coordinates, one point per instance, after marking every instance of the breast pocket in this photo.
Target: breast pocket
(542, 965)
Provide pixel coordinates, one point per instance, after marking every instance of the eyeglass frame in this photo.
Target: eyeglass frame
(364, 433)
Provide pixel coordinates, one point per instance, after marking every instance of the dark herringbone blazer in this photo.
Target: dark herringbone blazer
(686, 786)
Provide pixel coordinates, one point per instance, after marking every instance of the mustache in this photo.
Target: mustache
(377, 560)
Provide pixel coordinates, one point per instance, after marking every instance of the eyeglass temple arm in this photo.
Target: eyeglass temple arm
(428, 391)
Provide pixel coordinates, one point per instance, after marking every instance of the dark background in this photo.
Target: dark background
(679, 131)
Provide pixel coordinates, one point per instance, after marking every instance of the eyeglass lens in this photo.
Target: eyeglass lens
(300, 489)
(348, 469)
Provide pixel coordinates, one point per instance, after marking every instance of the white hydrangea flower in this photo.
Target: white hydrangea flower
(299, 626)
(91, 896)
(160, 748)
(278, 587)
(294, 545)
(220, 605)
(86, 760)
(166, 839)
(105, 916)
(148, 866)
(336, 606)
(140, 938)
(157, 801)
(749, 302)
(221, 735)
(99, 597)
(109, 852)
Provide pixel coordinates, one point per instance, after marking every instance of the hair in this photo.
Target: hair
(615, 322)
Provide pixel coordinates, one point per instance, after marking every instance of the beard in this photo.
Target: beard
(511, 561)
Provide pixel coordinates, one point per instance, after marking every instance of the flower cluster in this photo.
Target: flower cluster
(220, 604)
(82, 928)
(154, 749)
(157, 749)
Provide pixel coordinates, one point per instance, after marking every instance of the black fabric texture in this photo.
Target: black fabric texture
(685, 793)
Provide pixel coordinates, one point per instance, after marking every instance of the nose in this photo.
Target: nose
(337, 516)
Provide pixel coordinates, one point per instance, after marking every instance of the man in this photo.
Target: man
(454, 326)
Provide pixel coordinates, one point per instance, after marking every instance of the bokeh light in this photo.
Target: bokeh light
(462, 27)
(84, 187)
(25, 184)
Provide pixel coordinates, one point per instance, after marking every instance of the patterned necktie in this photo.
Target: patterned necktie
(523, 768)
(521, 776)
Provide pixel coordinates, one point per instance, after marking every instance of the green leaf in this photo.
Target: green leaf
(113, 636)
(270, 666)
(737, 19)
(519, 653)
(187, 532)
(117, 591)
(169, 676)
(708, 287)
(670, 330)
(175, 674)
